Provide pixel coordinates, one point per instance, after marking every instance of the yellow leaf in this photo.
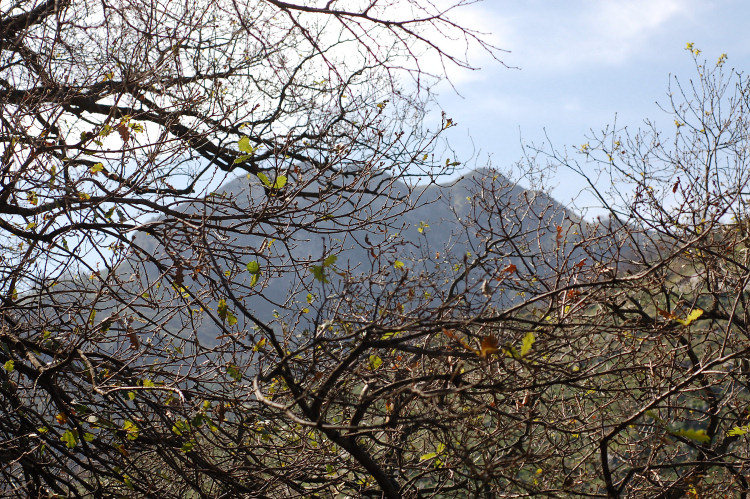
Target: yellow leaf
(699, 436)
(695, 314)
(528, 342)
(374, 362)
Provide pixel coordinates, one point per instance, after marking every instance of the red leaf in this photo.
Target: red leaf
(665, 314)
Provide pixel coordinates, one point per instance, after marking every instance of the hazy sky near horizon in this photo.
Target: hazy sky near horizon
(581, 64)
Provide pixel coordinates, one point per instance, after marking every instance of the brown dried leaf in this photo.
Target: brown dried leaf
(489, 346)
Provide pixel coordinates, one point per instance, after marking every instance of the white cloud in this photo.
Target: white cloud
(554, 36)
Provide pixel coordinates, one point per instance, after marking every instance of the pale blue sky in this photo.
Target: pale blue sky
(581, 63)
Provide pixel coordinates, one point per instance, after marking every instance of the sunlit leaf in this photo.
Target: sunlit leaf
(699, 436)
(244, 145)
(692, 316)
(738, 431)
(9, 366)
(242, 159)
(374, 362)
(264, 178)
(260, 345)
(528, 342)
(253, 267)
(280, 182)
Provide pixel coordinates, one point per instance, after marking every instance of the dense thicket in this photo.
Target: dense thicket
(166, 334)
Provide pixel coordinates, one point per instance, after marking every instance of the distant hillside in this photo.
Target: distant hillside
(444, 227)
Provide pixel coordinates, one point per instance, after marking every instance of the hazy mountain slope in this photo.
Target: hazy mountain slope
(447, 226)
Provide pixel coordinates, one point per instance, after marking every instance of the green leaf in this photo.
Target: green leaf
(318, 272)
(234, 373)
(70, 438)
(398, 264)
(89, 437)
(330, 260)
(738, 431)
(244, 145)
(147, 383)
(512, 353)
(260, 345)
(222, 309)
(242, 158)
(96, 168)
(180, 427)
(9, 366)
(231, 319)
(264, 178)
(253, 280)
(92, 316)
(374, 362)
(429, 455)
(14, 294)
(280, 182)
(528, 342)
(188, 446)
(253, 268)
